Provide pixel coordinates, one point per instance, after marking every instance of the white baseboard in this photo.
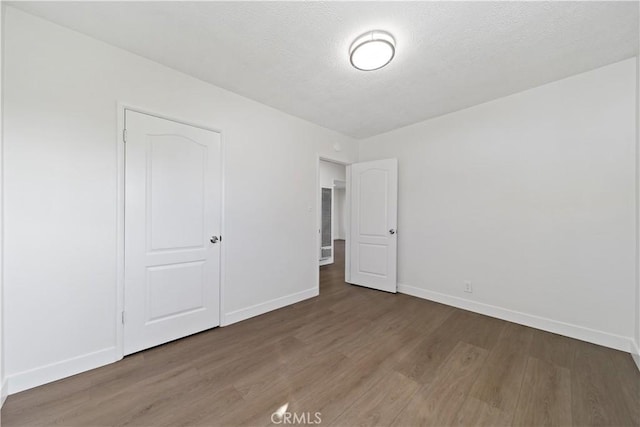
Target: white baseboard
(56, 371)
(635, 353)
(3, 393)
(573, 331)
(264, 307)
(326, 261)
(25, 380)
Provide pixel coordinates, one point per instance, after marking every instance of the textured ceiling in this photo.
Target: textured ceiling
(294, 55)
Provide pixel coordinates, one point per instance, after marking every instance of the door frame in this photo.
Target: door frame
(318, 240)
(121, 109)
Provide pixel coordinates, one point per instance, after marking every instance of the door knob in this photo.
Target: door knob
(214, 239)
(392, 231)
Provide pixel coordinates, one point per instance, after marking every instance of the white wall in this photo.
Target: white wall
(329, 172)
(532, 198)
(61, 93)
(636, 350)
(3, 387)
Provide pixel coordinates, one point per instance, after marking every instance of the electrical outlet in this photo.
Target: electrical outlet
(468, 287)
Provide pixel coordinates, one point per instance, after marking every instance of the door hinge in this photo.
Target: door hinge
(124, 135)
(123, 317)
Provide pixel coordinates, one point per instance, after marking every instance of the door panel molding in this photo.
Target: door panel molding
(172, 201)
(121, 109)
(371, 253)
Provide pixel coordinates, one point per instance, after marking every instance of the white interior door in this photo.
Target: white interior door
(172, 226)
(373, 211)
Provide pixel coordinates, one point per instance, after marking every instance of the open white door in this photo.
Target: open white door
(373, 210)
(172, 223)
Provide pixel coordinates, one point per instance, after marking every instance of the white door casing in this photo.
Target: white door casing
(373, 200)
(172, 220)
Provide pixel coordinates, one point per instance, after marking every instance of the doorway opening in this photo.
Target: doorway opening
(332, 178)
(357, 233)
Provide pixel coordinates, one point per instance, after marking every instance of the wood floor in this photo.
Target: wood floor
(358, 357)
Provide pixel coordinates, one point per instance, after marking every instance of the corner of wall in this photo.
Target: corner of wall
(3, 382)
(635, 351)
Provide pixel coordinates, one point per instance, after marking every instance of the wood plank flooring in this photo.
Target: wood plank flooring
(358, 357)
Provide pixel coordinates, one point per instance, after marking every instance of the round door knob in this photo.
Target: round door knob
(392, 231)
(214, 239)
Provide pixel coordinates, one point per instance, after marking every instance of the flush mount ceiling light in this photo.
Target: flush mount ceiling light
(372, 50)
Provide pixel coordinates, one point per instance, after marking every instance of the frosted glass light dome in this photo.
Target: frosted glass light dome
(372, 50)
